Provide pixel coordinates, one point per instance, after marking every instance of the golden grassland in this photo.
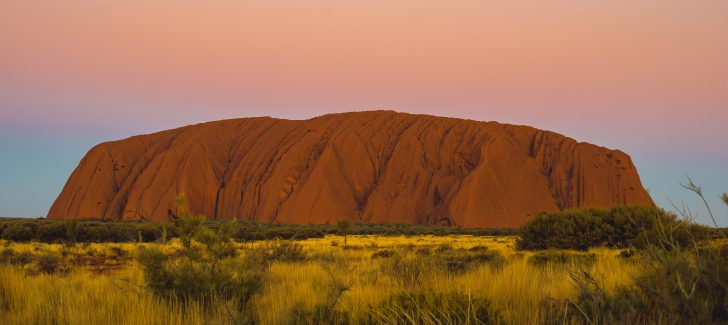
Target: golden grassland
(109, 289)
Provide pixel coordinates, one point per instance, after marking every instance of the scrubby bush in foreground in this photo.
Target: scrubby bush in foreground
(677, 287)
(278, 250)
(206, 272)
(684, 281)
(49, 263)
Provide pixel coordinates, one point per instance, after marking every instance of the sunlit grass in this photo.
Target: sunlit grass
(79, 296)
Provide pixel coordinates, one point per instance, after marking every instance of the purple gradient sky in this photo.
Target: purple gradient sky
(647, 77)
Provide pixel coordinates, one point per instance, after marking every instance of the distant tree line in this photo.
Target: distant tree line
(63, 231)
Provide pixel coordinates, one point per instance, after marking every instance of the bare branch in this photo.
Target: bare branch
(691, 186)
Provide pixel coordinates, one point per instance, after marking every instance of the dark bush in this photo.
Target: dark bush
(279, 250)
(21, 259)
(19, 232)
(460, 261)
(627, 253)
(6, 255)
(385, 253)
(443, 248)
(149, 232)
(423, 251)
(618, 227)
(50, 232)
(478, 248)
(94, 232)
(48, 263)
(118, 251)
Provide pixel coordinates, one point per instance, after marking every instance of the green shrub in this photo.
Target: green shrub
(617, 227)
(50, 232)
(48, 263)
(460, 261)
(266, 253)
(206, 271)
(200, 281)
(18, 232)
(94, 232)
(71, 231)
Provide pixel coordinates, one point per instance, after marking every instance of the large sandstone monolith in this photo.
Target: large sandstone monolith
(378, 166)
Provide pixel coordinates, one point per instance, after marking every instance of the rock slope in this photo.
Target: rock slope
(379, 166)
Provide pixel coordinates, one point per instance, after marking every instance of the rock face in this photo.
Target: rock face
(378, 166)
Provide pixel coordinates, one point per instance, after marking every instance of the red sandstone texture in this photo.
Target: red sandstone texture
(379, 167)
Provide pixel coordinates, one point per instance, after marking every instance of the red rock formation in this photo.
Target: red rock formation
(375, 166)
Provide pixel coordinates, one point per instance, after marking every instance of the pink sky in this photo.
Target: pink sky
(648, 77)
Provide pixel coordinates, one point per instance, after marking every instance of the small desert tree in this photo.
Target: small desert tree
(207, 272)
(344, 227)
(71, 231)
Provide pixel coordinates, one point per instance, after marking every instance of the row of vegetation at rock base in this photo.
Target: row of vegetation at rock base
(618, 227)
(104, 231)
